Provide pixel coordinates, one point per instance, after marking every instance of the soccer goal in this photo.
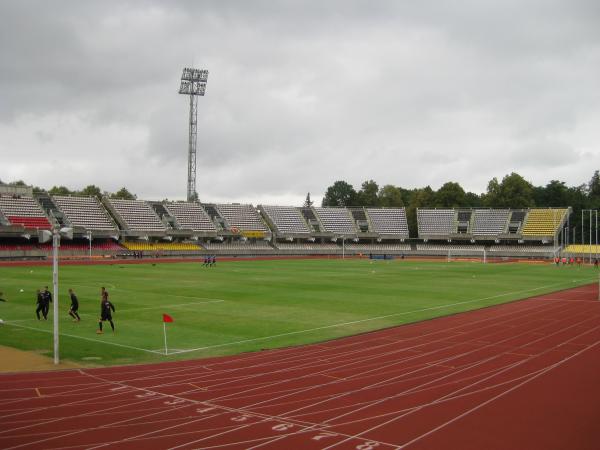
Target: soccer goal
(468, 255)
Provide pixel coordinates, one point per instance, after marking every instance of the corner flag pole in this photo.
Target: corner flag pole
(166, 318)
(165, 333)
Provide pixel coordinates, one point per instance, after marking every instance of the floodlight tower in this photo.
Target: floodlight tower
(193, 83)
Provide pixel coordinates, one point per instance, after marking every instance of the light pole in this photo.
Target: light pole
(44, 236)
(193, 83)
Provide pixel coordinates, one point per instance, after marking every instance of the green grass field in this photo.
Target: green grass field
(250, 305)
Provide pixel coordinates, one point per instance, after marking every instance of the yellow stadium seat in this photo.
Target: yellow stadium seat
(151, 246)
(543, 222)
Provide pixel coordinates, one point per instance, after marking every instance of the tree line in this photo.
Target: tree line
(513, 191)
(88, 191)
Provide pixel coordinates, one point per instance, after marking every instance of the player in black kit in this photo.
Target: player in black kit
(74, 306)
(40, 305)
(106, 310)
(47, 296)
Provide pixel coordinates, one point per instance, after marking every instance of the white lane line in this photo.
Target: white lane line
(87, 339)
(384, 382)
(369, 319)
(408, 391)
(280, 417)
(519, 363)
(180, 397)
(502, 394)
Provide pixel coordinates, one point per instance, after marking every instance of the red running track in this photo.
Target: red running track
(523, 375)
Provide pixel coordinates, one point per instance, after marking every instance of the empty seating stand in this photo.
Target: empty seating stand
(85, 212)
(190, 216)
(241, 216)
(153, 246)
(389, 221)
(308, 247)
(543, 222)
(24, 211)
(516, 221)
(336, 220)
(286, 219)
(436, 222)
(379, 247)
(137, 215)
(463, 221)
(490, 222)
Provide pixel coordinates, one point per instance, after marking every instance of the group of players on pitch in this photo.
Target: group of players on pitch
(44, 298)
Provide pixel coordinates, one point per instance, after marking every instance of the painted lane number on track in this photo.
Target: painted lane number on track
(323, 435)
(282, 427)
(204, 410)
(369, 445)
(241, 418)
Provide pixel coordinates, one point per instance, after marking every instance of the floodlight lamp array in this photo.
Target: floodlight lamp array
(193, 81)
(198, 75)
(192, 88)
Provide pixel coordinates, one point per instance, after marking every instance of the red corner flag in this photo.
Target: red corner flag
(167, 318)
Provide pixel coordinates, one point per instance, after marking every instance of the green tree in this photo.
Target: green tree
(60, 190)
(367, 196)
(555, 193)
(19, 183)
(123, 194)
(594, 185)
(450, 195)
(390, 196)
(473, 200)
(91, 191)
(339, 194)
(513, 192)
(420, 198)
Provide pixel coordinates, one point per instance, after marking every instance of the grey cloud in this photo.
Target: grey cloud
(301, 94)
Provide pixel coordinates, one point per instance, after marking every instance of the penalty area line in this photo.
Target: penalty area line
(88, 339)
(369, 319)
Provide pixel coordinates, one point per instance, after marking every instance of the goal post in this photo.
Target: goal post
(472, 255)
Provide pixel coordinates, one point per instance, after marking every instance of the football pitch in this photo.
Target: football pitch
(248, 305)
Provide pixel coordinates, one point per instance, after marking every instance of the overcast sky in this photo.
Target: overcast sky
(300, 94)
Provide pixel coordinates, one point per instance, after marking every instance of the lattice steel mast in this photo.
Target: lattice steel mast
(193, 83)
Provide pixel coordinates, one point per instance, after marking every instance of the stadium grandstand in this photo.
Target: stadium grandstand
(25, 212)
(337, 221)
(85, 213)
(388, 222)
(243, 219)
(115, 227)
(543, 222)
(136, 217)
(434, 223)
(285, 220)
(490, 222)
(191, 216)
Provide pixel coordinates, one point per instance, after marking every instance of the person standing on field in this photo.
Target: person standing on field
(47, 296)
(106, 310)
(74, 306)
(40, 305)
(1, 300)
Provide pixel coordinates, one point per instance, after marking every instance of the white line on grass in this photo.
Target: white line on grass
(353, 322)
(87, 339)
(166, 306)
